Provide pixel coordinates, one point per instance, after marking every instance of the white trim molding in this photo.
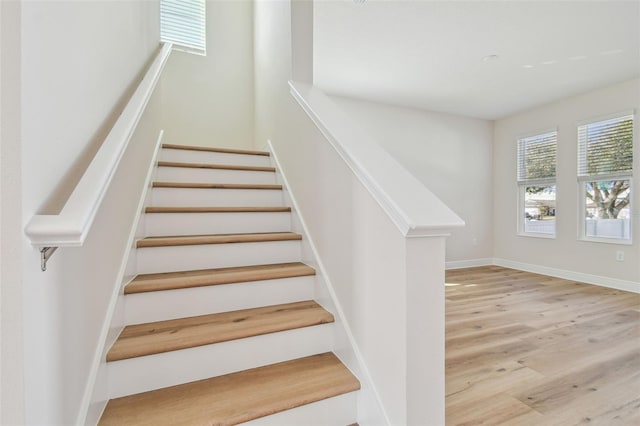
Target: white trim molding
(368, 392)
(472, 263)
(70, 227)
(615, 283)
(93, 404)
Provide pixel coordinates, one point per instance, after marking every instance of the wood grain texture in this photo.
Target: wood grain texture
(216, 166)
(524, 349)
(214, 149)
(237, 397)
(217, 239)
(164, 336)
(217, 209)
(216, 185)
(206, 277)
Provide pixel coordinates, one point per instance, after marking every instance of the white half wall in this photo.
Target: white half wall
(388, 290)
(564, 252)
(450, 155)
(80, 63)
(208, 100)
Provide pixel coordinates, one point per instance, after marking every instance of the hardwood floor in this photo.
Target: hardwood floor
(526, 349)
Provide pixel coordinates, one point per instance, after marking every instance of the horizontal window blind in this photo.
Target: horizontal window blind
(537, 158)
(182, 22)
(605, 148)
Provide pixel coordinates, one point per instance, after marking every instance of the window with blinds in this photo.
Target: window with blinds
(183, 23)
(537, 158)
(605, 171)
(537, 184)
(606, 147)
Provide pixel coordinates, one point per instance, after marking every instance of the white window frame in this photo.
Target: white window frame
(584, 178)
(522, 183)
(184, 23)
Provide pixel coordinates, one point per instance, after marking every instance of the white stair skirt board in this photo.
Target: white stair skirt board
(191, 156)
(152, 260)
(339, 410)
(168, 224)
(207, 197)
(201, 175)
(188, 302)
(166, 369)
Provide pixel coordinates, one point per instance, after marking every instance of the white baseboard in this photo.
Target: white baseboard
(571, 275)
(459, 264)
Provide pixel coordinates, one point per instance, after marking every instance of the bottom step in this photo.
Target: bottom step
(238, 397)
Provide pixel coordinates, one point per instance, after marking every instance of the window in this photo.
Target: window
(605, 171)
(537, 184)
(182, 22)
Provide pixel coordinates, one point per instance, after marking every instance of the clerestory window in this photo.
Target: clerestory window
(183, 23)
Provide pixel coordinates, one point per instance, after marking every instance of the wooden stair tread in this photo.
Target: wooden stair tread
(215, 185)
(187, 240)
(165, 336)
(215, 149)
(206, 277)
(217, 209)
(216, 166)
(237, 397)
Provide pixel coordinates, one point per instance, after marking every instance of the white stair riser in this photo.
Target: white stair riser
(339, 410)
(167, 224)
(184, 258)
(170, 304)
(190, 156)
(189, 174)
(146, 373)
(200, 197)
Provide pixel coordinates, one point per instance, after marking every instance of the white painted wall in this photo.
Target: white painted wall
(272, 66)
(208, 100)
(450, 155)
(80, 62)
(398, 329)
(565, 252)
(11, 342)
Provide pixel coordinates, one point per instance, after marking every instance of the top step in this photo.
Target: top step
(213, 155)
(214, 149)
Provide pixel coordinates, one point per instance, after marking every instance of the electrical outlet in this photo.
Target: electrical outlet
(620, 256)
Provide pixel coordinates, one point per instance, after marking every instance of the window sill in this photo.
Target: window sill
(615, 241)
(537, 235)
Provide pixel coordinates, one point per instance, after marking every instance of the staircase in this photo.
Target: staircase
(222, 327)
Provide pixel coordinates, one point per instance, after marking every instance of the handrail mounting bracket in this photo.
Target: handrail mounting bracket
(45, 255)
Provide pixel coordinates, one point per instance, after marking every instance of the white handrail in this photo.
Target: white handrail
(70, 227)
(414, 209)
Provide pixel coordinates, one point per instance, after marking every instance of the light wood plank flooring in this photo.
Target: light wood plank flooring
(526, 349)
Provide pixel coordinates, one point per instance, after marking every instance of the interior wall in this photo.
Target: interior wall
(565, 251)
(272, 39)
(11, 342)
(80, 62)
(450, 155)
(208, 100)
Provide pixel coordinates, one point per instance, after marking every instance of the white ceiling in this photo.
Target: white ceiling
(429, 54)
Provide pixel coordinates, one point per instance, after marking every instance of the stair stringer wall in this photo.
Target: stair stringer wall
(345, 348)
(114, 321)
